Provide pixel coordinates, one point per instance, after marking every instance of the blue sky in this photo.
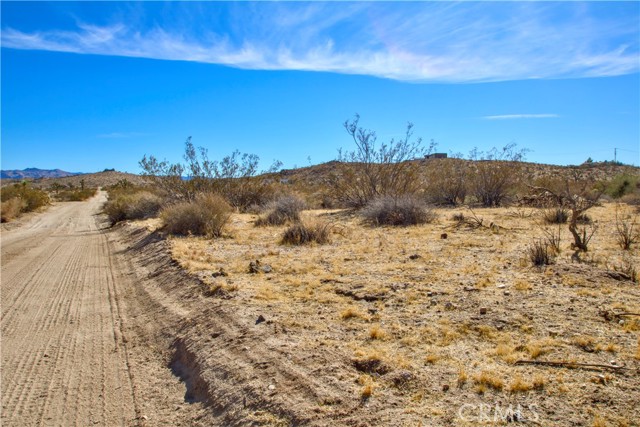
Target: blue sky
(94, 85)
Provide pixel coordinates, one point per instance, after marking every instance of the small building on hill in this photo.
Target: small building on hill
(436, 156)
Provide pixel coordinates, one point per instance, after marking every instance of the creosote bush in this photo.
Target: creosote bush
(401, 211)
(207, 215)
(286, 209)
(303, 234)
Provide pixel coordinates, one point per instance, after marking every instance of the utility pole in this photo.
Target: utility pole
(615, 155)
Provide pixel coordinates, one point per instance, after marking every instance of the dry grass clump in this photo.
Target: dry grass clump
(350, 313)
(400, 211)
(539, 253)
(487, 379)
(205, 216)
(556, 216)
(304, 234)
(520, 385)
(139, 205)
(377, 333)
(286, 209)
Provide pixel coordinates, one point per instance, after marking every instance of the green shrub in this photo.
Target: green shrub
(286, 209)
(402, 211)
(622, 185)
(207, 216)
(304, 234)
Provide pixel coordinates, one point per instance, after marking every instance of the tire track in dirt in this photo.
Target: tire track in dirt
(64, 361)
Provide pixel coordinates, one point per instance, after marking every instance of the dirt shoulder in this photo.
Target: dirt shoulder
(71, 352)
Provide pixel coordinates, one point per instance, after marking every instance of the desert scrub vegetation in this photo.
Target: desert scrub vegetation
(372, 171)
(540, 253)
(496, 174)
(397, 211)
(447, 181)
(139, 204)
(234, 177)
(285, 209)
(20, 198)
(207, 215)
(307, 233)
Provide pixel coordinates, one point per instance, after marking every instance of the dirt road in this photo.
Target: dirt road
(66, 358)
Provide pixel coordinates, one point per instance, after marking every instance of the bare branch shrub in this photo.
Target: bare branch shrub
(371, 171)
(553, 238)
(577, 194)
(496, 174)
(207, 215)
(627, 233)
(233, 177)
(447, 181)
(402, 211)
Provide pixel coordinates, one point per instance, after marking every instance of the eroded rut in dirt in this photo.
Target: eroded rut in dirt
(70, 353)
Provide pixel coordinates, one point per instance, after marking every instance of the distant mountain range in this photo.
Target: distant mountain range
(35, 173)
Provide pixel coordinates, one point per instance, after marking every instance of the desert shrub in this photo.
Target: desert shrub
(402, 211)
(285, 209)
(556, 216)
(10, 209)
(627, 233)
(30, 198)
(233, 177)
(304, 234)
(447, 181)
(496, 174)
(371, 171)
(207, 215)
(138, 205)
(622, 185)
(75, 195)
(577, 193)
(539, 253)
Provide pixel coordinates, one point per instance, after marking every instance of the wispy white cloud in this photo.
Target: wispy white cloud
(468, 42)
(521, 116)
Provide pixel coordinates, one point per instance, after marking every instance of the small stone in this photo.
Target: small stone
(483, 310)
(507, 293)
(449, 306)
(414, 256)
(434, 302)
(502, 286)
(444, 235)
(271, 387)
(260, 319)
(445, 387)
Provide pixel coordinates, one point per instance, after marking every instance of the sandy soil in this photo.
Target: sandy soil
(402, 327)
(72, 354)
(383, 326)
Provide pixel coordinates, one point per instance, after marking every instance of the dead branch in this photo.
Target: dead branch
(572, 365)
